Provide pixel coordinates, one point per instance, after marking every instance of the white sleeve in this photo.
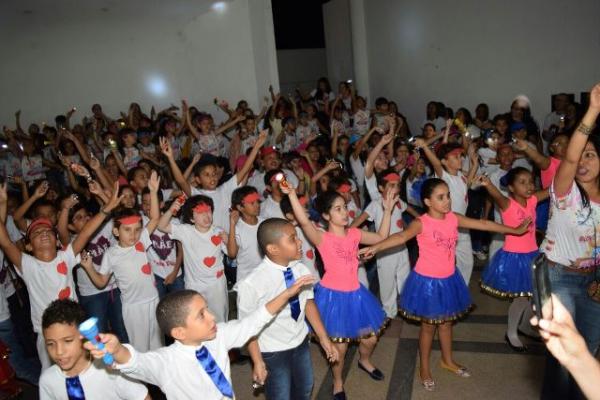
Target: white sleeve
(371, 211)
(145, 239)
(106, 265)
(248, 299)
(177, 232)
(371, 185)
(71, 259)
(238, 332)
(128, 388)
(148, 367)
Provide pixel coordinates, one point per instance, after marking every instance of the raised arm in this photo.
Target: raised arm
(568, 167)
(154, 187)
(63, 220)
(19, 214)
(438, 168)
(370, 238)
(10, 249)
(312, 233)
(384, 141)
(361, 143)
(167, 151)
(229, 124)
(99, 280)
(242, 174)
(81, 148)
(501, 200)
(490, 226)
(540, 160)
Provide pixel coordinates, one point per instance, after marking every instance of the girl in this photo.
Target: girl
(349, 311)
(435, 292)
(508, 275)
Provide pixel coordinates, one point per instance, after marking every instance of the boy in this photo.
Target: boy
(48, 272)
(270, 207)
(308, 250)
(449, 170)
(270, 160)
(281, 354)
(196, 365)
(74, 375)
(207, 179)
(244, 220)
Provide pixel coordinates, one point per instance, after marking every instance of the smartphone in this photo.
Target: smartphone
(541, 288)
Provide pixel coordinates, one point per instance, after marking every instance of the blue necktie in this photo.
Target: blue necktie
(212, 369)
(294, 302)
(74, 389)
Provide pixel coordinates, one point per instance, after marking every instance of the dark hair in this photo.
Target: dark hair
(237, 197)
(286, 206)
(380, 101)
(594, 138)
(123, 212)
(131, 173)
(511, 176)
(42, 203)
(427, 189)
(429, 124)
(73, 210)
(65, 311)
(126, 131)
(485, 107)
(269, 176)
(336, 181)
(187, 211)
(287, 120)
(501, 117)
(446, 149)
(173, 309)
(159, 194)
(269, 232)
(324, 201)
(205, 162)
(319, 93)
(467, 114)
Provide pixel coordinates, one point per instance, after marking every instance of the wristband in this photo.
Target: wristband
(585, 129)
(103, 211)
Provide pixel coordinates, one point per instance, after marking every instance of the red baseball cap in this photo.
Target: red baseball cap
(42, 221)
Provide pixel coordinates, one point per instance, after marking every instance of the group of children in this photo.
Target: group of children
(162, 217)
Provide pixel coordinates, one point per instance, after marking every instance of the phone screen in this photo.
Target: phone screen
(542, 288)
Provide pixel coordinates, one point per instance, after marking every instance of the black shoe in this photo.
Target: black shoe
(375, 374)
(339, 396)
(518, 349)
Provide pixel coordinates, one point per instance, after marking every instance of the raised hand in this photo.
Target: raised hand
(419, 143)
(86, 260)
(387, 138)
(154, 182)
(95, 188)
(115, 199)
(262, 138)
(234, 217)
(3, 193)
(595, 97)
(41, 190)
(390, 200)
(165, 147)
(70, 201)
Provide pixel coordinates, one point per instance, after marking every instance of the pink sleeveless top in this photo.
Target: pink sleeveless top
(437, 246)
(547, 175)
(340, 260)
(513, 216)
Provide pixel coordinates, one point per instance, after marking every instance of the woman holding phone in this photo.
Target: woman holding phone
(572, 241)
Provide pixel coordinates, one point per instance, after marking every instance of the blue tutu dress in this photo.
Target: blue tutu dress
(348, 310)
(508, 275)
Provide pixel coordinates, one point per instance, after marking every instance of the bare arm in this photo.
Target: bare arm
(10, 249)
(490, 226)
(370, 238)
(541, 161)
(387, 139)
(501, 200)
(242, 174)
(397, 239)
(312, 233)
(438, 168)
(232, 246)
(179, 178)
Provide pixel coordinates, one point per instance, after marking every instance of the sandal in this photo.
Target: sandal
(463, 372)
(428, 384)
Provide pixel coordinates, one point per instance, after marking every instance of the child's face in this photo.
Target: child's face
(383, 107)
(453, 160)
(439, 201)
(558, 147)
(145, 140)
(289, 246)
(46, 211)
(28, 147)
(203, 220)
(42, 238)
(146, 204)
(402, 153)
(208, 178)
(80, 218)
(128, 235)
(344, 143)
(250, 125)
(501, 126)
(204, 125)
(324, 182)
(313, 153)
(523, 185)
(271, 161)
(360, 103)
(291, 126)
(63, 342)
(140, 180)
(128, 198)
(251, 209)
(200, 324)
(428, 132)
(129, 140)
(390, 187)
(381, 162)
(505, 157)
(420, 166)
(520, 134)
(338, 213)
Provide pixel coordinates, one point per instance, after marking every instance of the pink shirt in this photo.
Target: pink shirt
(340, 260)
(547, 175)
(513, 216)
(437, 246)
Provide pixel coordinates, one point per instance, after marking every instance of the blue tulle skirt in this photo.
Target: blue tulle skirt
(542, 215)
(508, 275)
(350, 316)
(435, 300)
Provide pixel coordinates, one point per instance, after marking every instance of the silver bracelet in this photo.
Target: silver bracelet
(585, 129)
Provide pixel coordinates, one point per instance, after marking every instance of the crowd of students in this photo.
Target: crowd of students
(150, 223)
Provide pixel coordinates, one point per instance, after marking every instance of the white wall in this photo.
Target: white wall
(301, 68)
(64, 53)
(338, 41)
(473, 51)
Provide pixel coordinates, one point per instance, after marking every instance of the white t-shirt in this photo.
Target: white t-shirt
(131, 157)
(375, 211)
(150, 149)
(212, 143)
(302, 132)
(495, 178)
(4, 310)
(353, 211)
(48, 281)
(202, 254)
(308, 253)
(132, 270)
(221, 198)
(361, 122)
(270, 209)
(97, 381)
(97, 247)
(485, 155)
(261, 286)
(32, 168)
(248, 256)
(371, 185)
(319, 102)
(163, 252)
(258, 181)
(290, 141)
(458, 191)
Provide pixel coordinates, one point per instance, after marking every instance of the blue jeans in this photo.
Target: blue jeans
(571, 289)
(25, 368)
(106, 306)
(290, 374)
(163, 289)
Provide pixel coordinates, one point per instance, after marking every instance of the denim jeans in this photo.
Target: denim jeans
(571, 289)
(163, 289)
(25, 368)
(106, 306)
(290, 374)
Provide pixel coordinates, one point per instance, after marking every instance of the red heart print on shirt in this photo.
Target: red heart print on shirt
(351, 213)
(220, 273)
(139, 246)
(399, 223)
(64, 293)
(209, 261)
(61, 268)
(146, 269)
(216, 239)
(310, 254)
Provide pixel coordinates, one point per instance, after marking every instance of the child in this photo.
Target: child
(75, 375)
(203, 249)
(448, 168)
(392, 266)
(48, 272)
(128, 261)
(197, 363)
(308, 250)
(244, 220)
(435, 293)
(349, 311)
(207, 179)
(131, 154)
(270, 207)
(281, 354)
(508, 275)
(270, 160)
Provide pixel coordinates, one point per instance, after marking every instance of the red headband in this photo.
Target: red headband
(265, 151)
(130, 220)
(39, 222)
(344, 188)
(250, 198)
(392, 177)
(460, 151)
(202, 207)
